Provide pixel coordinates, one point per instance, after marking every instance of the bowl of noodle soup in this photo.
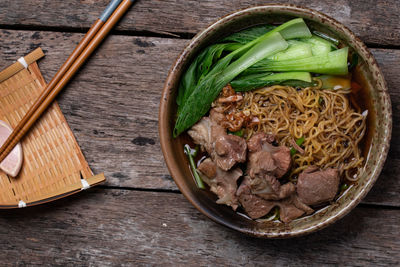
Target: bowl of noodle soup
(351, 132)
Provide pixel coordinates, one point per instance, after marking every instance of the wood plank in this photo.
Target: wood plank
(113, 110)
(121, 105)
(374, 21)
(119, 227)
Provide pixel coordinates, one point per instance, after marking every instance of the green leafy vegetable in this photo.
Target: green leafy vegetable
(354, 61)
(251, 82)
(299, 142)
(269, 46)
(196, 102)
(326, 37)
(296, 50)
(334, 63)
(199, 102)
(318, 45)
(190, 155)
(248, 35)
(300, 84)
(295, 28)
(199, 69)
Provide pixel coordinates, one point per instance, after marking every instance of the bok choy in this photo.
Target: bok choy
(251, 82)
(199, 102)
(334, 63)
(318, 45)
(202, 86)
(295, 50)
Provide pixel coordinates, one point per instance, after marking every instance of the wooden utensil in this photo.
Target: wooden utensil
(85, 48)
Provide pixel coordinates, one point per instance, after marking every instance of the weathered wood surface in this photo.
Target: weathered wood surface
(112, 106)
(129, 228)
(376, 22)
(113, 111)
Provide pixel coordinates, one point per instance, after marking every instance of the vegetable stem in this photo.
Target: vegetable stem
(262, 80)
(326, 37)
(199, 181)
(266, 47)
(296, 50)
(334, 63)
(318, 45)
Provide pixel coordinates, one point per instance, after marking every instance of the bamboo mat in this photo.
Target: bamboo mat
(53, 165)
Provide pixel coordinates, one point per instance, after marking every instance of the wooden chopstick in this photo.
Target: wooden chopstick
(114, 11)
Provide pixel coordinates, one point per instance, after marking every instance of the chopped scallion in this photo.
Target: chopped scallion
(189, 152)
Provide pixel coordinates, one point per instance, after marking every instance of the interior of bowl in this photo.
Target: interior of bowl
(378, 129)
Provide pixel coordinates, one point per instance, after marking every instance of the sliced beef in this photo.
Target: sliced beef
(225, 150)
(256, 207)
(264, 166)
(222, 183)
(229, 149)
(283, 160)
(268, 187)
(255, 143)
(217, 115)
(208, 168)
(292, 208)
(261, 163)
(288, 211)
(317, 186)
(201, 134)
(278, 161)
(282, 192)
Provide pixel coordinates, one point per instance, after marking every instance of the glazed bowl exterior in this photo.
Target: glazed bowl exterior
(378, 132)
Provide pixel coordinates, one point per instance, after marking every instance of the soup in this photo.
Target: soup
(278, 139)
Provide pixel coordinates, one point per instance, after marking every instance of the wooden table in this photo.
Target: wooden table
(139, 217)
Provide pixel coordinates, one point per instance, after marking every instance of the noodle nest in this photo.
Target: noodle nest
(331, 128)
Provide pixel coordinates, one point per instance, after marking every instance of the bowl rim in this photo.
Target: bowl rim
(164, 120)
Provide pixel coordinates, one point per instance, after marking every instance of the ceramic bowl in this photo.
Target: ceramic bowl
(375, 148)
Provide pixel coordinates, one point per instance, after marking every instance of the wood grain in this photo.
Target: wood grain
(114, 116)
(119, 227)
(112, 107)
(376, 22)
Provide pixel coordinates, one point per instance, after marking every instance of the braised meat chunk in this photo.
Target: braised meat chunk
(268, 187)
(201, 134)
(264, 157)
(260, 191)
(225, 150)
(222, 183)
(256, 207)
(316, 186)
(229, 150)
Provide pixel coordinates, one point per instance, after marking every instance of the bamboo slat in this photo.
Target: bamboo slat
(54, 165)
